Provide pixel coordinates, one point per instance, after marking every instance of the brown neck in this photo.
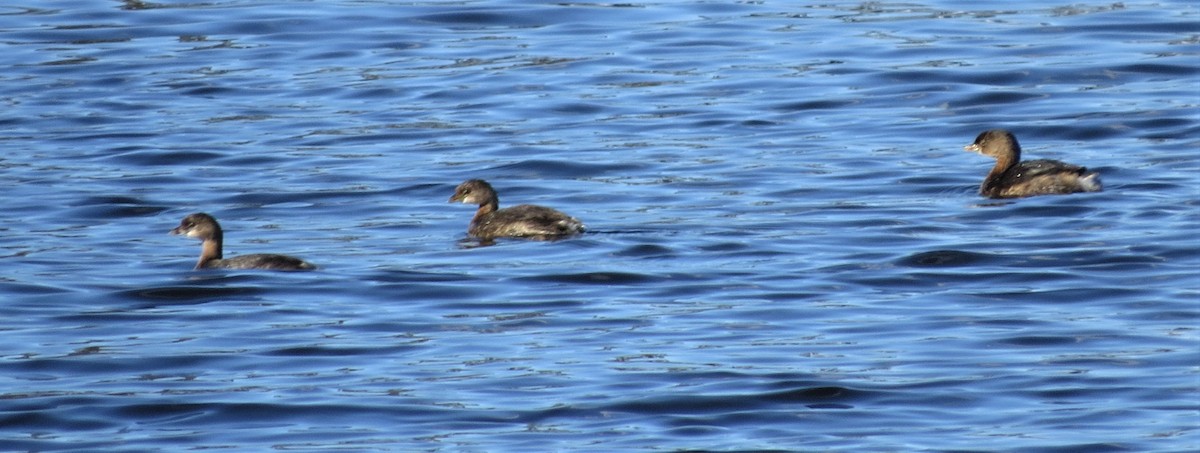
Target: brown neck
(1003, 163)
(209, 250)
(485, 209)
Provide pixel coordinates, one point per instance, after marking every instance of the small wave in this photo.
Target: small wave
(946, 258)
(598, 278)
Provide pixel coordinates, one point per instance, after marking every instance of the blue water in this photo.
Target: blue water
(786, 248)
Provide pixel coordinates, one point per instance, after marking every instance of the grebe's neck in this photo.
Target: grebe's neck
(1004, 162)
(210, 250)
(486, 208)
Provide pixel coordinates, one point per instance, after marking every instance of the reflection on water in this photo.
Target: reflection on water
(786, 250)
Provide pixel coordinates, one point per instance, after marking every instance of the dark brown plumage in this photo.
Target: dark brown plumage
(205, 228)
(1011, 178)
(527, 221)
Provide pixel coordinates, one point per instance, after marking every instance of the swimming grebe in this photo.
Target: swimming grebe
(1011, 178)
(525, 220)
(205, 228)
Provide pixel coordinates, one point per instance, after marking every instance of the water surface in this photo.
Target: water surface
(787, 251)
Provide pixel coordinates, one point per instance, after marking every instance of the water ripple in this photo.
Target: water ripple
(787, 248)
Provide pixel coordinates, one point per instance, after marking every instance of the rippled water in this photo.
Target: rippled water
(787, 251)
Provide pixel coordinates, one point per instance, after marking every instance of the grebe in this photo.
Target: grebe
(1011, 178)
(205, 228)
(527, 221)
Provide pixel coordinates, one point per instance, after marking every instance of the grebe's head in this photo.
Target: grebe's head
(473, 191)
(995, 143)
(199, 225)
